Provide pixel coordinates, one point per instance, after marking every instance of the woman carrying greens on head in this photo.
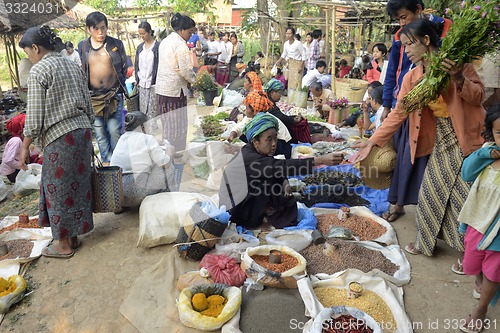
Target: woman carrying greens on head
(255, 186)
(448, 129)
(59, 115)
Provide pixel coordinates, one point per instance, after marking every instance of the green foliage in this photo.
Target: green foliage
(204, 82)
(190, 7)
(439, 6)
(108, 7)
(148, 5)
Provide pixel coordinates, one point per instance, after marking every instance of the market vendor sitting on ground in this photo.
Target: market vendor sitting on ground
(12, 153)
(321, 96)
(255, 186)
(256, 102)
(147, 169)
(296, 125)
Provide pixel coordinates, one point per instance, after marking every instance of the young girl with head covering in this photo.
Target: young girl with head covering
(11, 155)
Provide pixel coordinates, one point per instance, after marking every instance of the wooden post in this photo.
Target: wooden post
(334, 49)
(327, 38)
(15, 57)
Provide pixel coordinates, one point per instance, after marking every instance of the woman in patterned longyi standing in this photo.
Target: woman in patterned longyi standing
(59, 115)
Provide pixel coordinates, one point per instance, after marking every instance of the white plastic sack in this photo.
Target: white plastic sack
(4, 191)
(389, 237)
(231, 98)
(391, 295)
(394, 254)
(233, 244)
(161, 215)
(40, 240)
(337, 311)
(194, 149)
(287, 279)
(219, 153)
(296, 239)
(28, 180)
(191, 318)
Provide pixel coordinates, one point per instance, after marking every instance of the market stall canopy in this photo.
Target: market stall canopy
(16, 17)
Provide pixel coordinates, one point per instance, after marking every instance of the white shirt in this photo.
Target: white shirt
(378, 117)
(73, 56)
(226, 51)
(136, 152)
(146, 64)
(175, 68)
(213, 47)
(312, 76)
(295, 51)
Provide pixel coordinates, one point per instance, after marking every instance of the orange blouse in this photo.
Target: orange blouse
(464, 107)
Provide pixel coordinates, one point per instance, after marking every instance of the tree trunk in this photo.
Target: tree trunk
(263, 21)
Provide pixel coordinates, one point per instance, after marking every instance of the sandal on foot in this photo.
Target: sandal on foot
(476, 292)
(76, 245)
(468, 328)
(410, 248)
(51, 253)
(458, 268)
(394, 216)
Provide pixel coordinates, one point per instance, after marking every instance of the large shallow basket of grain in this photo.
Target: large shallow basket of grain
(352, 89)
(266, 277)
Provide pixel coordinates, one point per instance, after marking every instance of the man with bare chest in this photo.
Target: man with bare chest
(105, 64)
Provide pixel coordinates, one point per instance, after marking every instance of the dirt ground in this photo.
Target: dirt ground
(83, 294)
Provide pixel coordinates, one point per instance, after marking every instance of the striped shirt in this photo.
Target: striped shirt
(58, 100)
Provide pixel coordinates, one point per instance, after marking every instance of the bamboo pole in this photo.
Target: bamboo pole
(334, 49)
(8, 60)
(15, 56)
(327, 37)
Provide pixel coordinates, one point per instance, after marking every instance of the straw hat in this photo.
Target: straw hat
(376, 169)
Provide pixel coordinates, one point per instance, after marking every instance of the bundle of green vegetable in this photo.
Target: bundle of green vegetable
(474, 33)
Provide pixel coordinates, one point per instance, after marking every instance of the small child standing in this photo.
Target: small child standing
(480, 218)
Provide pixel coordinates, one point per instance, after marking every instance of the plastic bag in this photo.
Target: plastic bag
(13, 293)
(194, 278)
(194, 319)
(339, 232)
(307, 220)
(4, 191)
(296, 239)
(223, 269)
(28, 180)
(159, 223)
(233, 243)
(274, 70)
(231, 98)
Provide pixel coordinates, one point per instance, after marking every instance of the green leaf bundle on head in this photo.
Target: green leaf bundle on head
(474, 33)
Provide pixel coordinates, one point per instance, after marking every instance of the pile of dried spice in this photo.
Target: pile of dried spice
(345, 255)
(287, 262)
(33, 223)
(362, 227)
(345, 324)
(18, 248)
(369, 302)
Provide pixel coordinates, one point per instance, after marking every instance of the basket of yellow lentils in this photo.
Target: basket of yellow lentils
(208, 307)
